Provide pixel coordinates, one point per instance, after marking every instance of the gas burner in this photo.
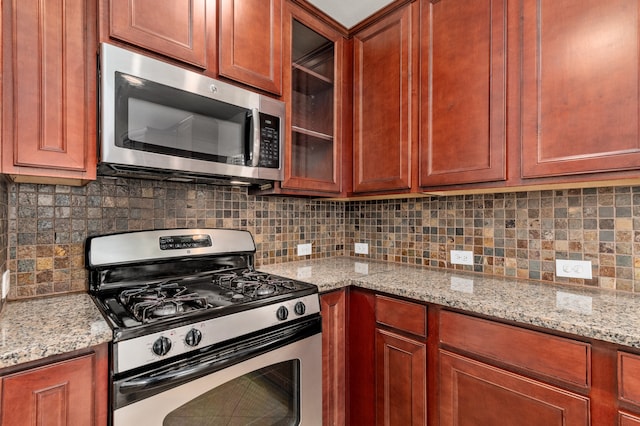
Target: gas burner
(157, 301)
(252, 284)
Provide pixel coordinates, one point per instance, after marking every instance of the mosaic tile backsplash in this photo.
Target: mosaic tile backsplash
(48, 224)
(514, 234)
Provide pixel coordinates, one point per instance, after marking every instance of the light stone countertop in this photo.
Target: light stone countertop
(37, 328)
(583, 311)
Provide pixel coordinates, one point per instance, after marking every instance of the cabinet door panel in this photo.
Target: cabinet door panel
(333, 357)
(251, 43)
(473, 393)
(60, 394)
(313, 79)
(463, 92)
(385, 55)
(401, 380)
(580, 104)
(173, 28)
(49, 89)
(625, 419)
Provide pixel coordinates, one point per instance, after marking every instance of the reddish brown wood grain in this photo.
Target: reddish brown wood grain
(463, 92)
(334, 317)
(401, 380)
(473, 393)
(385, 103)
(402, 315)
(251, 43)
(176, 29)
(542, 354)
(579, 86)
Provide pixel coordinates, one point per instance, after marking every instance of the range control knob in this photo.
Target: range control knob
(300, 308)
(161, 346)
(282, 313)
(193, 337)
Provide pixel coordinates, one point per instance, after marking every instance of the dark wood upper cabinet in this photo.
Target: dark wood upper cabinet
(313, 76)
(579, 87)
(385, 106)
(250, 40)
(49, 90)
(463, 91)
(176, 29)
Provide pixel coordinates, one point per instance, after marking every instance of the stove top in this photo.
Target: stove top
(149, 282)
(189, 297)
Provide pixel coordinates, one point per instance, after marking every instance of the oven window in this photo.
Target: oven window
(269, 396)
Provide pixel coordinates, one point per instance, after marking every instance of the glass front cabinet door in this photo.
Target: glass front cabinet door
(313, 58)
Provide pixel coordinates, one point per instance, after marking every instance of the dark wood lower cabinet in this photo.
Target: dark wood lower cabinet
(476, 394)
(334, 309)
(67, 392)
(401, 380)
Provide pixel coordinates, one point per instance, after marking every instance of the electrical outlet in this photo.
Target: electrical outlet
(573, 268)
(304, 249)
(461, 257)
(361, 248)
(5, 284)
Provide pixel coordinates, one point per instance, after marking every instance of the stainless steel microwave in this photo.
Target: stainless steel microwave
(161, 121)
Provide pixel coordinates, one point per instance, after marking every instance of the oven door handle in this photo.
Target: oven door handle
(222, 358)
(136, 385)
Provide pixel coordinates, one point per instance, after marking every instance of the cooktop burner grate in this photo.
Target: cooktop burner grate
(161, 300)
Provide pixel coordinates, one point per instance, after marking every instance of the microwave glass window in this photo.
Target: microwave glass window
(156, 118)
(268, 396)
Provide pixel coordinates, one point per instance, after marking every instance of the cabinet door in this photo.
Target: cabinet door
(251, 43)
(49, 89)
(463, 91)
(176, 28)
(401, 380)
(580, 86)
(385, 106)
(313, 93)
(59, 394)
(625, 419)
(474, 393)
(334, 318)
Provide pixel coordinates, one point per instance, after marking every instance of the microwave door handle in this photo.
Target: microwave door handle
(255, 152)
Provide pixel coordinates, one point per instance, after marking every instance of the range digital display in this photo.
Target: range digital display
(178, 242)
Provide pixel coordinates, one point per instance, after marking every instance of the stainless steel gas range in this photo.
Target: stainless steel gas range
(201, 337)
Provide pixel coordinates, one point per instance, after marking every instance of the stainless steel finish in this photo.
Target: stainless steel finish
(132, 353)
(113, 159)
(141, 246)
(255, 155)
(153, 410)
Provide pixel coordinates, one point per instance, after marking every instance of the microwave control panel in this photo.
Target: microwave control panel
(269, 141)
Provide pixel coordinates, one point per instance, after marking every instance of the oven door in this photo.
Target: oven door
(282, 386)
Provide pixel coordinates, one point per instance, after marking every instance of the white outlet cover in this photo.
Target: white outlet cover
(361, 248)
(573, 268)
(304, 249)
(461, 257)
